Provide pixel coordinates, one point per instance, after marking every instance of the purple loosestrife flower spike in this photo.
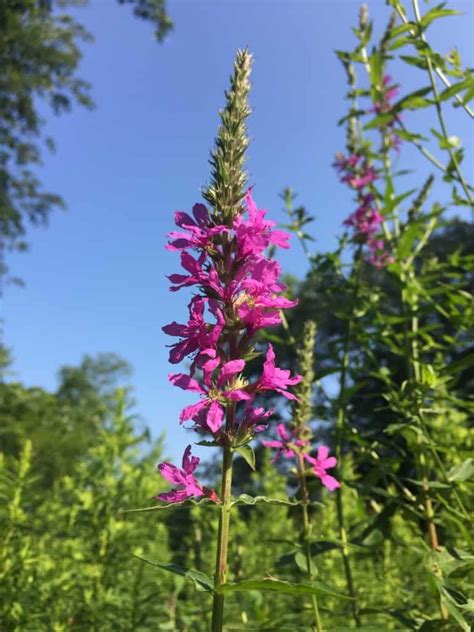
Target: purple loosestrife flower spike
(365, 221)
(239, 293)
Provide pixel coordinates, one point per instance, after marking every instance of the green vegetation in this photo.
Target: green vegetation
(383, 337)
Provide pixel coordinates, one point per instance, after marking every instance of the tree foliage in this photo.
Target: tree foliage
(40, 53)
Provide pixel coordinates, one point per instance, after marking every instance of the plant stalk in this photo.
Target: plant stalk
(340, 426)
(222, 540)
(306, 541)
(413, 366)
(400, 10)
(439, 112)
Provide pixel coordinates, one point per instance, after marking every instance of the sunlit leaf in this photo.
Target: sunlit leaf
(277, 585)
(200, 580)
(245, 499)
(248, 454)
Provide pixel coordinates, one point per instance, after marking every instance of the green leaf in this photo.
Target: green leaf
(277, 585)
(247, 453)
(376, 68)
(460, 365)
(407, 239)
(462, 472)
(301, 562)
(209, 444)
(200, 580)
(395, 613)
(414, 100)
(469, 96)
(400, 42)
(431, 484)
(363, 628)
(245, 499)
(402, 28)
(379, 121)
(415, 61)
(406, 135)
(436, 625)
(435, 13)
(452, 142)
(393, 202)
(186, 504)
(467, 84)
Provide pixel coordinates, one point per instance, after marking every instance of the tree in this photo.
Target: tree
(61, 426)
(39, 57)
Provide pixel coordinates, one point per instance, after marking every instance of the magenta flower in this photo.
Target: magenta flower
(255, 234)
(359, 181)
(199, 233)
(384, 104)
(275, 379)
(188, 486)
(286, 445)
(343, 163)
(209, 412)
(195, 269)
(365, 220)
(196, 334)
(321, 463)
(259, 304)
(379, 257)
(254, 419)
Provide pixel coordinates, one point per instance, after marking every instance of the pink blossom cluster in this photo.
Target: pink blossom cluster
(237, 293)
(187, 485)
(290, 445)
(365, 221)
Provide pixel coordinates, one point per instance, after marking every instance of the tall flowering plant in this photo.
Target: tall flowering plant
(358, 173)
(236, 292)
(295, 446)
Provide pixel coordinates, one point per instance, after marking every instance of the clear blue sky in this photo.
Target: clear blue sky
(96, 276)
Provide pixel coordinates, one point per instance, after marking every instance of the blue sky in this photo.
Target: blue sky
(95, 278)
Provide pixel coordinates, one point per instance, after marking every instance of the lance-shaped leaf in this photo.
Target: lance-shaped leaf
(247, 453)
(269, 584)
(245, 499)
(201, 581)
(187, 504)
(462, 472)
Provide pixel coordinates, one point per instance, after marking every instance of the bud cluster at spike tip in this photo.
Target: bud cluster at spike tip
(237, 292)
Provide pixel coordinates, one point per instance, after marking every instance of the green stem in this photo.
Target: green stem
(306, 538)
(341, 420)
(410, 311)
(222, 540)
(423, 150)
(439, 111)
(438, 71)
